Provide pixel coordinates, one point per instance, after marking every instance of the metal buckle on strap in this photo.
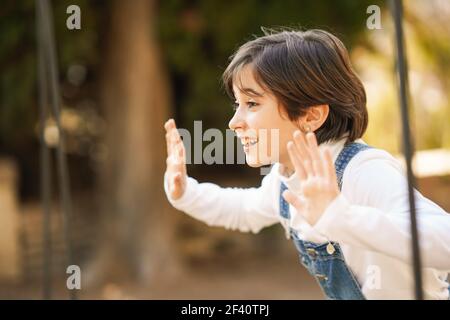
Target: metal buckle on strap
(330, 248)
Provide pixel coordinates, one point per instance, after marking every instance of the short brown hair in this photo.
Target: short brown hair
(304, 69)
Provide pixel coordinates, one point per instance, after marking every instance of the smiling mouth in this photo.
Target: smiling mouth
(249, 142)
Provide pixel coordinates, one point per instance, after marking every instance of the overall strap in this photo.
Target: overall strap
(348, 152)
(325, 261)
(344, 157)
(284, 205)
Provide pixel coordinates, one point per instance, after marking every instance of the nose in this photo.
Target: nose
(236, 122)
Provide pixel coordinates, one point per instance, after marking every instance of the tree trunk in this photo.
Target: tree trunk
(136, 100)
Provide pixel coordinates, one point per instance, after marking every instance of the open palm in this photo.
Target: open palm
(176, 161)
(315, 169)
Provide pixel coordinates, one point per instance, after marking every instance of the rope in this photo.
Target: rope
(48, 59)
(408, 149)
(45, 165)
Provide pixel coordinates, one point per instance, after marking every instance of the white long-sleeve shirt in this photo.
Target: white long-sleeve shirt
(369, 219)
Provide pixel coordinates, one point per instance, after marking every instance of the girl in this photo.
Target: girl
(343, 203)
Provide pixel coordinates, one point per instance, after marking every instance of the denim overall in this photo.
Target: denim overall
(325, 261)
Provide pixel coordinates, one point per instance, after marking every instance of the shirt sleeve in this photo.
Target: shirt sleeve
(242, 209)
(372, 212)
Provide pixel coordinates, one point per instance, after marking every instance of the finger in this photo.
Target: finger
(173, 144)
(296, 160)
(166, 125)
(299, 142)
(330, 169)
(168, 145)
(302, 148)
(169, 124)
(171, 127)
(316, 156)
(175, 140)
(310, 156)
(180, 153)
(176, 133)
(294, 200)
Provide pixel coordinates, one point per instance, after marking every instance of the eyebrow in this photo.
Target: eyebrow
(251, 92)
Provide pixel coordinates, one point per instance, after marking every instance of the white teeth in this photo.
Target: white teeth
(249, 142)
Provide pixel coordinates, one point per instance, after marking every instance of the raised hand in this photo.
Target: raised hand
(317, 175)
(176, 161)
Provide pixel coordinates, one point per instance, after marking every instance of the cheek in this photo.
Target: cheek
(276, 143)
(257, 120)
(279, 133)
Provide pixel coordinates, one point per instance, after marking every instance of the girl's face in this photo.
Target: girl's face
(257, 121)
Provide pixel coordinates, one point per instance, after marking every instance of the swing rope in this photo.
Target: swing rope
(48, 85)
(408, 148)
(45, 173)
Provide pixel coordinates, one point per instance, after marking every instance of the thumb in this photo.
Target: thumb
(293, 200)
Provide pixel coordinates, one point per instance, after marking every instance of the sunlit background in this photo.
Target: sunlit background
(133, 65)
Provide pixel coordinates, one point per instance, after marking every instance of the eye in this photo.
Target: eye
(252, 104)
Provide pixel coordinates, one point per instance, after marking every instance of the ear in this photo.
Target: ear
(315, 116)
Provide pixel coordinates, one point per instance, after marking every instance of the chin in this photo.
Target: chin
(255, 163)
